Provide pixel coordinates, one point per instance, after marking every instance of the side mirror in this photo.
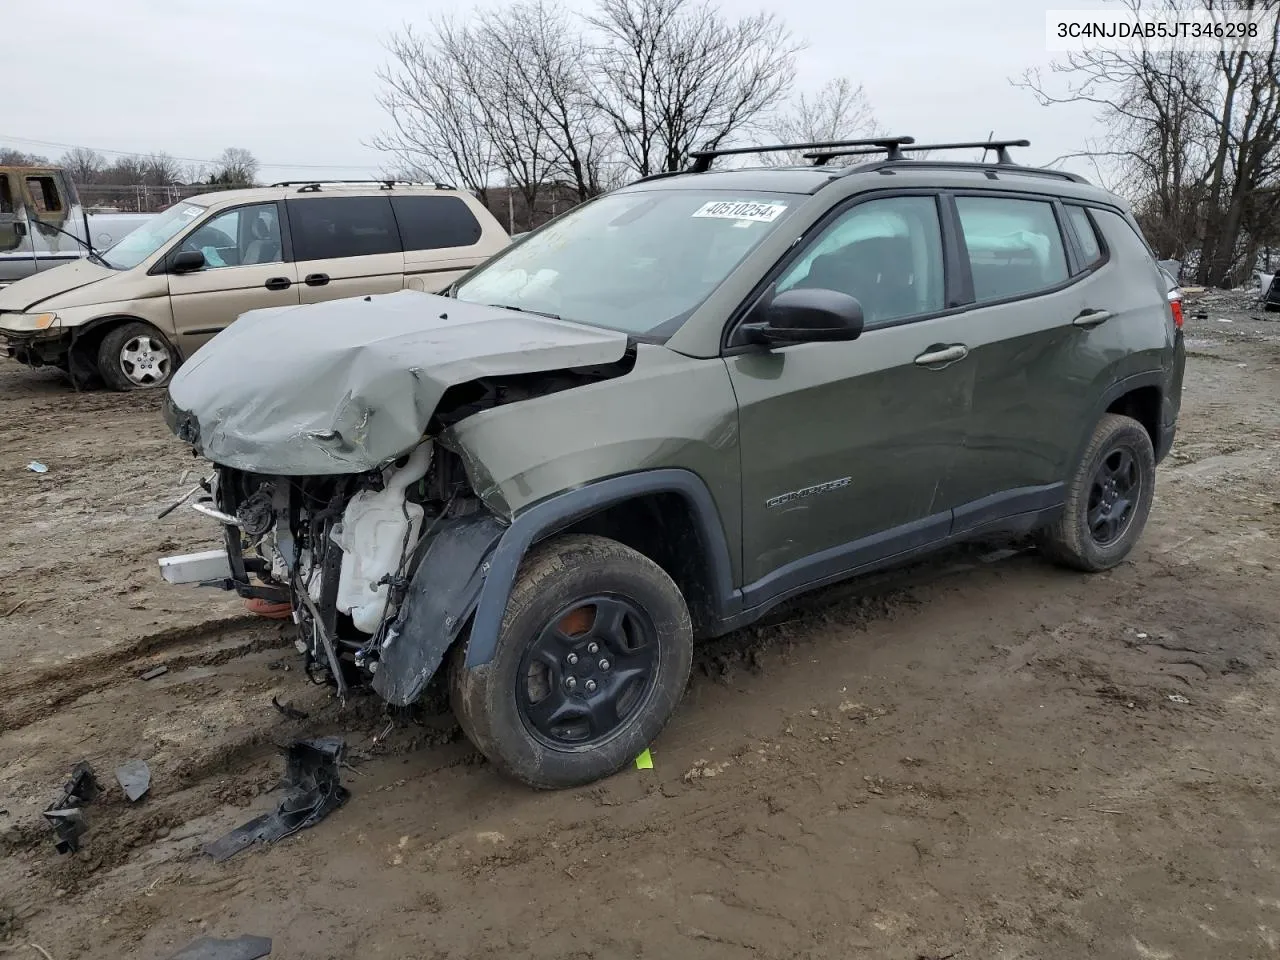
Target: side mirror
(186, 261)
(806, 315)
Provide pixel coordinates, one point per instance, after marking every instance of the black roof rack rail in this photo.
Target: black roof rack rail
(1000, 146)
(312, 186)
(891, 145)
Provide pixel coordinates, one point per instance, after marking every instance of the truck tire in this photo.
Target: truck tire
(1108, 498)
(135, 356)
(593, 656)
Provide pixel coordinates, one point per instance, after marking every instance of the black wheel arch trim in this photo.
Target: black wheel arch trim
(1152, 378)
(550, 516)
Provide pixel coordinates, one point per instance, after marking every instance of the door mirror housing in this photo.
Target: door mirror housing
(806, 315)
(186, 261)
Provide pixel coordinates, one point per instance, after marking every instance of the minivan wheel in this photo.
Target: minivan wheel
(1108, 499)
(592, 658)
(134, 356)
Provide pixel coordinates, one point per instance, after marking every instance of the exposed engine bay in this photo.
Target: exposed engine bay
(340, 549)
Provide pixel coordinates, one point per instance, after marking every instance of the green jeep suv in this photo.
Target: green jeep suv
(673, 407)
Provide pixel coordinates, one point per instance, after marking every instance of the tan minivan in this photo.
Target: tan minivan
(132, 313)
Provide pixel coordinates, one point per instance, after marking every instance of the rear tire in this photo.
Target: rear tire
(592, 657)
(1108, 498)
(135, 356)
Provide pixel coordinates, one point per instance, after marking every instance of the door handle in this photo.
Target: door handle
(278, 283)
(943, 355)
(316, 279)
(19, 228)
(1091, 318)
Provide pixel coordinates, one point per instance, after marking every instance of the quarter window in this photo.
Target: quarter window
(1015, 246)
(1082, 223)
(435, 223)
(887, 254)
(238, 238)
(329, 227)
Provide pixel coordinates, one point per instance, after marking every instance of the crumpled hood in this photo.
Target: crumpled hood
(35, 289)
(346, 386)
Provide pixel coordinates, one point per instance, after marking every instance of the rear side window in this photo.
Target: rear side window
(1087, 234)
(435, 223)
(44, 194)
(328, 227)
(1015, 246)
(6, 195)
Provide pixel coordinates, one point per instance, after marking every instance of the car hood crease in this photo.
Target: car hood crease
(347, 386)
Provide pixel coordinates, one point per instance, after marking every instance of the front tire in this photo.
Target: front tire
(1108, 498)
(134, 356)
(592, 657)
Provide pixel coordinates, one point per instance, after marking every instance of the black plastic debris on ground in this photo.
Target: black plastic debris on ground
(241, 948)
(313, 791)
(134, 777)
(65, 814)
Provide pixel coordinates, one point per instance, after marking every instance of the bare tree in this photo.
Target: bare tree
(161, 170)
(675, 75)
(16, 158)
(1194, 137)
(235, 166)
(838, 111)
(83, 164)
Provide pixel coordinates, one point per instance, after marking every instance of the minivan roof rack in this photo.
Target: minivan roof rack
(313, 186)
(891, 145)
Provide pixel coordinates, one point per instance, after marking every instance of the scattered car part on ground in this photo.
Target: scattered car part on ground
(153, 673)
(129, 315)
(66, 814)
(312, 791)
(241, 948)
(648, 421)
(134, 777)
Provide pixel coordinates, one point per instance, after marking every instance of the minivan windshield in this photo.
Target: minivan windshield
(639, 261)
(135, 247)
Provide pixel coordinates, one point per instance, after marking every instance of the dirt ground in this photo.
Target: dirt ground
(982, 757)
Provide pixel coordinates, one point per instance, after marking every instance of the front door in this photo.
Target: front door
(845, 445)
(345, 246)
(17, 257)
(245, 269)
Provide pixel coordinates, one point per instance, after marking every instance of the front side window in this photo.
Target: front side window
(886, 254)
(639, 261)
(1015, 246)
(44, 194)
(328, 227)
(241, 237)
(136, 246)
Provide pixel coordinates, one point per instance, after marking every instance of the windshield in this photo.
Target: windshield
(639, 262)
(135, 247)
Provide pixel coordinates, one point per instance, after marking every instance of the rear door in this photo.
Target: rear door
(345, 246)
(1036, 356)
(442, 239)
(846, 445)
(246, 268)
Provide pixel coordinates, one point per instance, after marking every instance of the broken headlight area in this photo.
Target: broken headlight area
(341, 550)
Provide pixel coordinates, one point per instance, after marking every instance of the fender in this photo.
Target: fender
(549, 516)
(1152, 378)
(442, 593)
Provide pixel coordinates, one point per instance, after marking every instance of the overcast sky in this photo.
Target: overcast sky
(293, 80)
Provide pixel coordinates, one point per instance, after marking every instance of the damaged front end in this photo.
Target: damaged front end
(335, 491)
(363, 560)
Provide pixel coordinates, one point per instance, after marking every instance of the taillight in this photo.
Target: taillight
(1175, 307)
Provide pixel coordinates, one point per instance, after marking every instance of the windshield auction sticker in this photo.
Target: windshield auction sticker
(741, 210)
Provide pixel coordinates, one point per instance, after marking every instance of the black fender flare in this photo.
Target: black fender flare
(1152, 378)
(554, 514)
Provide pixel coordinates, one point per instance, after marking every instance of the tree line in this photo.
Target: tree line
(540, 101)
(1193, 139)
(234, 167)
